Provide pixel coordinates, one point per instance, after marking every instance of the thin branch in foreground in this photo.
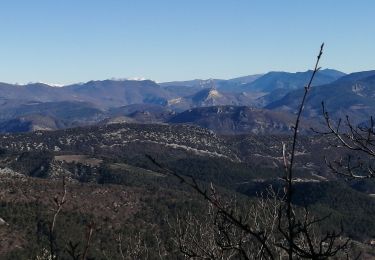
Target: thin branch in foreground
(59, 203)
(289, 165)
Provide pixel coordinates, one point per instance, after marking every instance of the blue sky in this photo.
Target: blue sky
(78, 40)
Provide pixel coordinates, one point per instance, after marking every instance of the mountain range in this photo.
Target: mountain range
(263, 103)
(351, 95)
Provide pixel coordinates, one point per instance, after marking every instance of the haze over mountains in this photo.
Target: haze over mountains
(256, 103)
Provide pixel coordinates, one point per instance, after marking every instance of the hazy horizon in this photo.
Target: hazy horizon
(53, 84)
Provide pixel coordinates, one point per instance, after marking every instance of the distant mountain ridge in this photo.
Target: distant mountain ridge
(290, 81)
(116, 93)
(269, 100)
(204, 83)
(351, 95)
(107, 93)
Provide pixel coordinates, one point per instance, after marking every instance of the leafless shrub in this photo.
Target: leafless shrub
(133, 247)
(360, 140)
(215, 236)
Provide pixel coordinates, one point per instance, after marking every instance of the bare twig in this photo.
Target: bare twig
(119, 241)
(289, 168)
(59, 203)
(90, 230)
(357, 139)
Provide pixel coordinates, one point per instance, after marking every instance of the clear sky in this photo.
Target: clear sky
(66, 41)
